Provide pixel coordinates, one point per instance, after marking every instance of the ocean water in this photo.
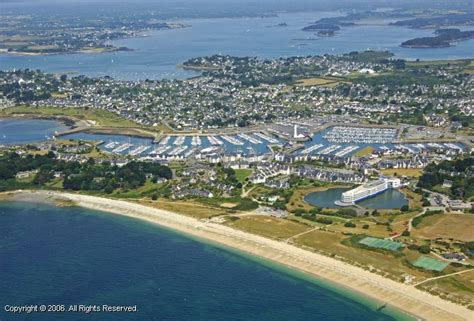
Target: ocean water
(390, 199)
(51, 255)
(156, 55)
(23, 131)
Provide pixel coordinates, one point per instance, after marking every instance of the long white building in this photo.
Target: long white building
(367, 190)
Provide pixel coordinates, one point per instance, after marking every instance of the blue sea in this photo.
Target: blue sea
(156, 54)
(53, 255)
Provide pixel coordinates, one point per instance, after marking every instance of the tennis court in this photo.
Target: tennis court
(429, 263)
(381, 243)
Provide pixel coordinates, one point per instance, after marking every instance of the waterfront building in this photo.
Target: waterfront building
(367, 190)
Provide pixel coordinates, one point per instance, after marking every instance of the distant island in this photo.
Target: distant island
(443, 39)
(437, 21)
(279, 25)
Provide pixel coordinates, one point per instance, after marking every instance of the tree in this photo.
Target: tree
(315, 210)
(349, 224)
(404, 208)
(424, 249)
(42, 177)
(7, 171)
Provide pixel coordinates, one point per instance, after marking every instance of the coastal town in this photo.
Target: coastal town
(242, 92)
(354, 166)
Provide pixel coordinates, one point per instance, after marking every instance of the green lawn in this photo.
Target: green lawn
(242, 174)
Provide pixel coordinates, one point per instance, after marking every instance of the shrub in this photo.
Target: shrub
(315, 210)
(299, 211)
(365, 227)
(349, 224)
(424, 249)
(324, 220)
(347, 212)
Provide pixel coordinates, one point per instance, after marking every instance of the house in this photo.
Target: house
(447, 183)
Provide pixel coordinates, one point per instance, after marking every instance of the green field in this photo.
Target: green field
(381, 243)
(427, 263)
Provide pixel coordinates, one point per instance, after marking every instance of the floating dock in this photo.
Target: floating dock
(250, 139)
(345, 151)
(139, 150)
(165, 140)
(311, 149)
(179, 140)
(122, 148)
(232, 140)
(196, 141)
(111, 145)
(269, 139)
(329, 149)
(214, 140)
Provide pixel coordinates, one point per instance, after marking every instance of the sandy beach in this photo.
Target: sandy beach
(404, 297)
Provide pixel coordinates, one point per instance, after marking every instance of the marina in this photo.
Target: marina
(341, 134)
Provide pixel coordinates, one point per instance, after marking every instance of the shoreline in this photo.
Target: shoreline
(396, 295)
